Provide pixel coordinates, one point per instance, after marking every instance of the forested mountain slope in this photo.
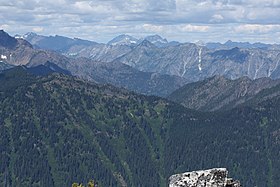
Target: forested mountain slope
(57, 129)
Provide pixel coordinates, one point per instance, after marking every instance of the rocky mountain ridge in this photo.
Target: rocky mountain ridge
(220, 93)
(196, 62)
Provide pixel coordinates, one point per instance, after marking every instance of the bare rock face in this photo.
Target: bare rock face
(216, 177)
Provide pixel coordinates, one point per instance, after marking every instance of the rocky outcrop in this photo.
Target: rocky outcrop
(217, 177)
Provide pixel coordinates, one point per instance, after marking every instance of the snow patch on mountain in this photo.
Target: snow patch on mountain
(199, 59)
(3, 57)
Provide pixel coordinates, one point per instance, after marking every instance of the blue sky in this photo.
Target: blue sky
(181, 20)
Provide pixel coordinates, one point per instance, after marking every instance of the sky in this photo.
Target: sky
(180, 20)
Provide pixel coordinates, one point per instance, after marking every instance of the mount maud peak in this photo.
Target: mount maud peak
(217, 177)
(155, 39)
(6, 40)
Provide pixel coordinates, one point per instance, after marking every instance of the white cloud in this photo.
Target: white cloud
(257, 28)
(102, 19)
(153, 28)
(4, 27)
(194, 28)
(38, 29)
(216, 18)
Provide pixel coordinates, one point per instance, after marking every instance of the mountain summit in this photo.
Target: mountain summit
(157, 40)
(123, 40)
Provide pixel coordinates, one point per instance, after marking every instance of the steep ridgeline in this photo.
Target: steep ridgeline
(20, 52)
(14, 51)
(58, 129)
(216, 177)
(219, 93)
(196, 62)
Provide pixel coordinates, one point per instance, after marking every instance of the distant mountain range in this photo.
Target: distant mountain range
(20, 52)
(195, 62)
(62, 43)
(245, 45)
(192, 61)
(142, 65)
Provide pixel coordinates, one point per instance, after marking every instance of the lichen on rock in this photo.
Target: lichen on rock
(216, 177)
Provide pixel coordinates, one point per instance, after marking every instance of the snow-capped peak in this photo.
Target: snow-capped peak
(123, 40)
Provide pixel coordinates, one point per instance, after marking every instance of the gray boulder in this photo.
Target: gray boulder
(216, 177)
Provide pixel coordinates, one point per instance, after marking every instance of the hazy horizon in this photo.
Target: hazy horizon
(139, 38)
